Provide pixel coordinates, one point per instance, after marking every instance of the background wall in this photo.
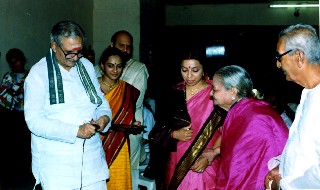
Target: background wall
(239, 14)
(109, 16)
(249, 32)
(26, 24)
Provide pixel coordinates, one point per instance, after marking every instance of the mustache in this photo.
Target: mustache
(126, 56)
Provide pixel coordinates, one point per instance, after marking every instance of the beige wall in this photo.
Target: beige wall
(109, 16)
(26, 24)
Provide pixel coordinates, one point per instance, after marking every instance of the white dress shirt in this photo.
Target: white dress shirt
(300, 160)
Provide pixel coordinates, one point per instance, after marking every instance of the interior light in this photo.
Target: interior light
(215, 51)
(288, 6)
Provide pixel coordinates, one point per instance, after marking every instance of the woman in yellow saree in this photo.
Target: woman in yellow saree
(122, 99)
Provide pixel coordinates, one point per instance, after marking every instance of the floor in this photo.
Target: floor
(17, 182)
(26, 182)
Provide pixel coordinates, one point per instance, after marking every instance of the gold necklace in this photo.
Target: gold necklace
(110, 86)
(194, 91)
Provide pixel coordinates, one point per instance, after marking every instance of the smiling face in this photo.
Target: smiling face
(221, 96)
(191, 71)
(112, 68)
(287, 63)
(69, 45)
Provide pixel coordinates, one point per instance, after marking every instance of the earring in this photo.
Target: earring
(233, 98)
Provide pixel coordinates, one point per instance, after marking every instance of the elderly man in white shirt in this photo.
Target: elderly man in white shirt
(65, 111)
(298, 167)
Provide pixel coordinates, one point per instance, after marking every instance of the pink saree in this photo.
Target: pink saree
(252, 134)
(200, 107)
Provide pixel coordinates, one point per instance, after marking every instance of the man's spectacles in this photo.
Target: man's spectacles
(278, 57)
(71, 55)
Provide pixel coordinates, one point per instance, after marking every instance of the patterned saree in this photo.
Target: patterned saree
(122, 100)
(205, 120)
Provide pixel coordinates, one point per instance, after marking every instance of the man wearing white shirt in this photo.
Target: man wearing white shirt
(298, 56)
(65, 111)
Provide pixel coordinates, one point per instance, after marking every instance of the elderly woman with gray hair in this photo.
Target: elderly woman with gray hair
(252, 133)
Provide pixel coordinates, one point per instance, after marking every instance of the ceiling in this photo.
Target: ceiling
(194, 2)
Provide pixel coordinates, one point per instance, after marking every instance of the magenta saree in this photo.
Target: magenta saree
(200, 107)
(252, 134)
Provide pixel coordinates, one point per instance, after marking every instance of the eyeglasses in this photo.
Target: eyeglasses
(278, 57)
(71, 55)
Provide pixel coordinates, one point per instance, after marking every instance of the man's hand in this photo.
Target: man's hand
(102, 122)
(86, 131)
(272, 179)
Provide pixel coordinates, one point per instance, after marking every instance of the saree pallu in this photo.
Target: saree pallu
(200, 107)
(253, 133)
(122, 100)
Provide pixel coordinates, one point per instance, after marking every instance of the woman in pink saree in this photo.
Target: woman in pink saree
(202, 173)
(193, 128)
(252, 133)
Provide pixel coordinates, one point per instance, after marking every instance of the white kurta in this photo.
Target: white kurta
(61, 160)
(136, 74)
(300, 161)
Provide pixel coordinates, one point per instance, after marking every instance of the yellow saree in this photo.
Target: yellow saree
(122, 100)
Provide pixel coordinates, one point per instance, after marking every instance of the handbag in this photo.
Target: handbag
(176, 117)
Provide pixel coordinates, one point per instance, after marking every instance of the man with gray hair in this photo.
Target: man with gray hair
(65, 111)
(298, 167)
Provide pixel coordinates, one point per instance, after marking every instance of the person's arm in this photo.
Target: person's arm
(212, 153)
(61, 121)
(103, 112)
(140, 82)
(308, 180)
(36, 98)
(183, 134)
(148, 121)
(309, 139)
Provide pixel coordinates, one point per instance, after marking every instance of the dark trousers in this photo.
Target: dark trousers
(15, 146)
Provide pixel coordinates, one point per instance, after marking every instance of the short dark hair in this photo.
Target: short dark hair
(196, 52)
(17, 54)
(66, 29)
(109, 51)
